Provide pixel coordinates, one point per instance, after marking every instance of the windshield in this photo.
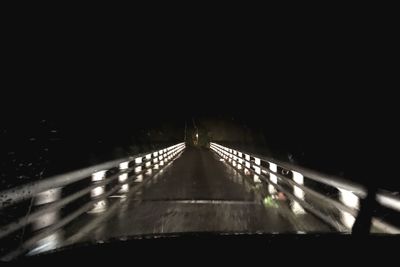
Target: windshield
(188, 174)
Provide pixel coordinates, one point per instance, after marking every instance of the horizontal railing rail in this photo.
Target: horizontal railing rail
(350, 190)
(14, 195)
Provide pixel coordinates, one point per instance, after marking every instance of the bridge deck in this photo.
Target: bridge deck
(198, 192)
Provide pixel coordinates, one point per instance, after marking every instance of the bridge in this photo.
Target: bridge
(182, 189)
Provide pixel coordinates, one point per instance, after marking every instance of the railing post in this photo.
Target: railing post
(101, 205)
(51, 241)
(138, 169)
(161, 157)
(155, 160)
(272, 177)
(247, 164)
(240, 160)
(123, 177)
(257, 170)
(148, 164)
(298, 192)
(351, 200)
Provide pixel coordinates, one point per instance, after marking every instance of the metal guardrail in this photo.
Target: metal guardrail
(46, 194)
(267, 169)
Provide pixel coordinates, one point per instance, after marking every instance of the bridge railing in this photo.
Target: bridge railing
(90, 189)
(311, 189)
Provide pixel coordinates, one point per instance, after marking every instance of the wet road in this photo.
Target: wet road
(198, 192)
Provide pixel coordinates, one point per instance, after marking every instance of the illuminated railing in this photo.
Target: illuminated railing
(47, 197)
(290, 179)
